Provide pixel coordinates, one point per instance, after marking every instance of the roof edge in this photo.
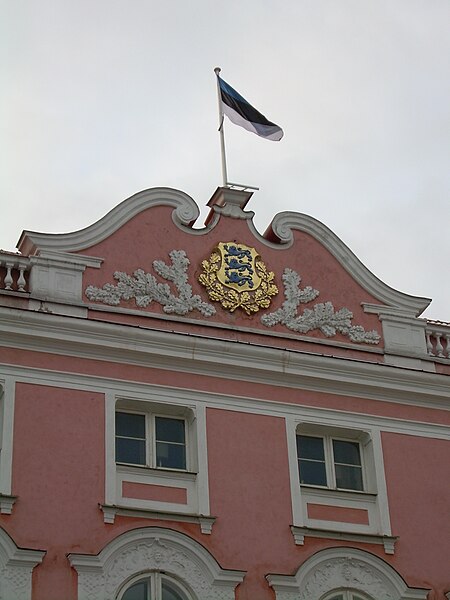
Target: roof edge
(185, 213)
(282, 229)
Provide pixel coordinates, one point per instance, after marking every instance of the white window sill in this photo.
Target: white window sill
(158, 472)
(110, 512)
(299, 534)
(335, 492)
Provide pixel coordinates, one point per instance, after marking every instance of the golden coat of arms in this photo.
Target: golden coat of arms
(236, 277)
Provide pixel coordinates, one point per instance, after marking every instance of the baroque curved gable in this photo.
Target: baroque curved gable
(144, 257)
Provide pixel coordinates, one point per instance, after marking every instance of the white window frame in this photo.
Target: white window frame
(372, 499)
(347, 594)
(152, 494)
(150, 438)
(329, 571)
(155, 580)
(7, 401)
(135, 553)
(330, 463)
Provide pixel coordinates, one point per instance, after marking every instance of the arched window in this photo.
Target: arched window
(346, 595)
(153, 563)
(155, 586)
(334, 568)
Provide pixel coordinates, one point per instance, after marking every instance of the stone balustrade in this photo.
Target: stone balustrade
(438, 339)
(13, 272)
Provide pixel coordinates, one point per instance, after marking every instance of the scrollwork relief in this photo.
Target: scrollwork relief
(102, 577)
(144, 288)
(321, 316)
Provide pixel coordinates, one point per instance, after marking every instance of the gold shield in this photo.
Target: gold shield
(236, 277)
(237, 269)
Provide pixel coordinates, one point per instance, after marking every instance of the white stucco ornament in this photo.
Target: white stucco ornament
(146, 550)
(320, 316)
(344, 569)
(145, 288)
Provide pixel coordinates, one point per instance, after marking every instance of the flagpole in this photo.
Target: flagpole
(221, 132)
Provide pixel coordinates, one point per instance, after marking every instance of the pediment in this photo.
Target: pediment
(297, 280)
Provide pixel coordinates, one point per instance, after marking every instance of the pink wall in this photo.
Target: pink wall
(218, 385)
(161, 493)
(59, 479)
(58, 476)
(418, 484)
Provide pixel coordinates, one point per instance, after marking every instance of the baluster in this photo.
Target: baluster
(429, 342)
(8, 276)
(439, 347)
(21, 281)
(447, 345)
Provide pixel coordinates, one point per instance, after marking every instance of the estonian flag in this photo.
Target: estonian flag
(240, 112)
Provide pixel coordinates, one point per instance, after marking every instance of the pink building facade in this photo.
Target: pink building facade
(216, 414)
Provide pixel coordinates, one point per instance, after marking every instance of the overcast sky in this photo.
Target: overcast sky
(103, 98)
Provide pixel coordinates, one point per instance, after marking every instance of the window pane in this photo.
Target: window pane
(349, 478)
(130, 451)
(138, 591)
(170, 593)
(171, 456)
(310, 447)
(346, 452)
(312, 472)
(130, 425)
(169, 430)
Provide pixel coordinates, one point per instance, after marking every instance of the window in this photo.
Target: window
(346, 595)
(330, 462)
(154, 587)
(337, 481)
(151, 440)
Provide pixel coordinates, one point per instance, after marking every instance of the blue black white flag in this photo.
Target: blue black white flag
(240, 112)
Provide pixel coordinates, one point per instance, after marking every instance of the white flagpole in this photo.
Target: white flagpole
(222, 138)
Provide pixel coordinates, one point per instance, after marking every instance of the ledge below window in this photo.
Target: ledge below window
(6, 504)
(110, 512)
(300, 533)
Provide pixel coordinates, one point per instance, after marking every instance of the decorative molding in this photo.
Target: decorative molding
(184, 216)
(236, 277)
(6, 504)
(16, 566)
(254, 405)
(300, 533)
(144, 288)
(231, 202)
(76, 261)
(197, 354)
(110, 511)
(320, 316)
(344, 568)
(100, 577)
(282, 229)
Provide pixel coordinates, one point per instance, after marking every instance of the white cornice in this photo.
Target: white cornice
(184, 215)
(71, 336)
(282, 228)
(177, 396)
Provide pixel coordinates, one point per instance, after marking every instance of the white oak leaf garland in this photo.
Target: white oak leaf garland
(321, 316)
(144, 288)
